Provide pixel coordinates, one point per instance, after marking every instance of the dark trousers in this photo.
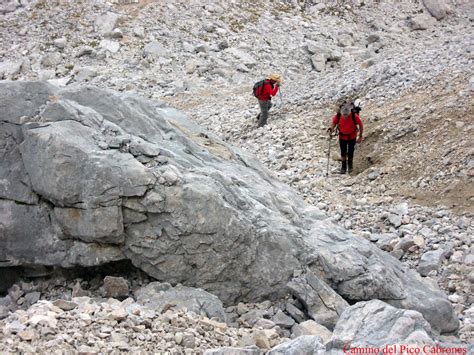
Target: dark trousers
(264, 108)
(347, 148)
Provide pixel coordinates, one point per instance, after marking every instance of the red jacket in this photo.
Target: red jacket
(347, 128)
(268, 91)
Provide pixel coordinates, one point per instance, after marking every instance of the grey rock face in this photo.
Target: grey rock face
(109, 45)
(319, 62)
(159, 296)
(139, 32)
(322, 303)
(208, 215)
(375, 323)
(439, 9)
(14, 181)
(242, 56)
(392, 291)
(106, 22)
(395, 220)
(9, 69)
(405, 243)
(430, 261)
(85, 50)
(20, 222)
(421, 22)
(3, 312)
(23, 99)
(51, 59)
(80, 181)
(60, 43)
(372, 38)
(7, 6)
(296, 313)
(37, 242)
(282, 320)
(32, 297)
(65, 305)
(155, 49)
(102, 224)
(316, 48)
(85, 74)
(304, 345)
(387, 241)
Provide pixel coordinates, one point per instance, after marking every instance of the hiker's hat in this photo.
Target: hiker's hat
(275, 77)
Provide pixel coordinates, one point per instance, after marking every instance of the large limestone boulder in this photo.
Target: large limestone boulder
(95, 176)
(375, 324)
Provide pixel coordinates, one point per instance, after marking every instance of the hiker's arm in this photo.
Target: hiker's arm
(333, 125)
(275, 90)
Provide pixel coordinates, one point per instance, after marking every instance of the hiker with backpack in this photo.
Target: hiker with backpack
(263, 91)
(349, 126)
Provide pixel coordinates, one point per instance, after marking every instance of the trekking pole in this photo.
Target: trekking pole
(281, 98)
(329, 154)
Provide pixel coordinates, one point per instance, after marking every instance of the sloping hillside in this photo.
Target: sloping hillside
(411, 193)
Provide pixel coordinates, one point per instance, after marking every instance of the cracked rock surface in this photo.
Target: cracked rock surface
(218, 221)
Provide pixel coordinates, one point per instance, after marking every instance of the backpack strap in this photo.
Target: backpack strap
(354, 118)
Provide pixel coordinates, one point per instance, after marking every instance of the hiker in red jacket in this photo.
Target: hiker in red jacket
(264, 91)
(349, 125)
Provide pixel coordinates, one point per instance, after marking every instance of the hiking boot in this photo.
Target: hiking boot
(349, 166)
(343, 167)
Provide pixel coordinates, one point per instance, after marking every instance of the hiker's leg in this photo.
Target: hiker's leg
(264, 107)
(269, 107)
(260, 104)
(261, 110)
(351, 148)
(343, 146)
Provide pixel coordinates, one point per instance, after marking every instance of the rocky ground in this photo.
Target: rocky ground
(135, 314)
(103, 325)
(411, 193)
